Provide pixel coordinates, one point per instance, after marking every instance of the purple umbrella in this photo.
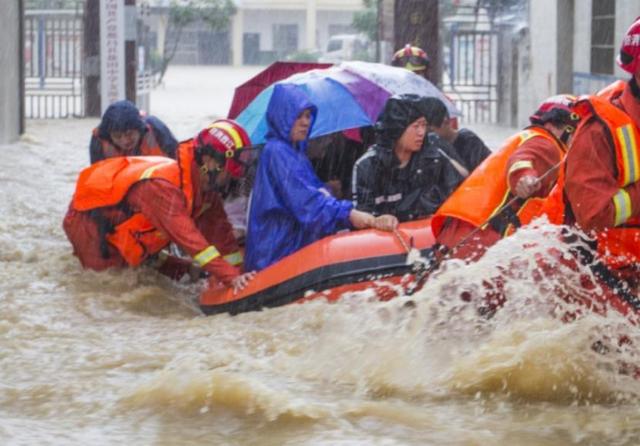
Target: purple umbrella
(349, 96)
(370, 96)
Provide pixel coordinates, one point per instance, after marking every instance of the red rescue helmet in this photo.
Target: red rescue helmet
(223, 140)
(558, 110)
(412, 58)
(629, 56)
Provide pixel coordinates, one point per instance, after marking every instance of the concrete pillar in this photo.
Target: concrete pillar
(544, 37)
(11, 112)
(542, 66)
(564, 50)
(507, 75)
(551, 53)
(311, 25)
(582, 37)
(387, 10)
(162, 22)
(237, 38)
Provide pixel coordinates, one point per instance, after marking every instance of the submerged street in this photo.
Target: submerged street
(126, 357)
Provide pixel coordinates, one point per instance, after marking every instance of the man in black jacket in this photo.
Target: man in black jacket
(400, 175)
(463, 148)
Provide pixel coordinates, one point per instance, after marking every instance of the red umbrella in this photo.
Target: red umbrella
(275, 72)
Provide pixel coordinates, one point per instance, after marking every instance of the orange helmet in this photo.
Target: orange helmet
(629, 56)
(223, 140)
(412, 58)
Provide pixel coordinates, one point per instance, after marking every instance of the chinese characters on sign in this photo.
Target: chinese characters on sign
(112, 69)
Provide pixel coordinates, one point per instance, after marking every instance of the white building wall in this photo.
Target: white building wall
(259, 16)
(237, 28)
(626, 12)
(327, 18)
(262, 21)
(543, 69)
(540, 81)
(582, 37)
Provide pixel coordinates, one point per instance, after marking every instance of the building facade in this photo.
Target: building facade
(261, 31)
(266, 30)
(570, 46)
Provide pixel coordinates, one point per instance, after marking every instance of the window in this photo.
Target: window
(334, 45)
(285, 39)
(602, 34)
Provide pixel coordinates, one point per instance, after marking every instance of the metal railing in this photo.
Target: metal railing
(471, 78)
(53, 63)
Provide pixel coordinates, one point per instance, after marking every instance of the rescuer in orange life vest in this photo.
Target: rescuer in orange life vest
(529, 162)
(127, 209)
(603, 166)
(123, 131)
(228, 143)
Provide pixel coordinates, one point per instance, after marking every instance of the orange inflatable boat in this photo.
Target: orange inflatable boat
(330, 267)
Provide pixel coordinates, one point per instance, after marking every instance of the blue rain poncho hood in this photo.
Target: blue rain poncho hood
(290, 207)
(121, 116)
(287, 103)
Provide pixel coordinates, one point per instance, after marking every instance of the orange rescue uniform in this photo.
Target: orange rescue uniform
(534, 151)
(603, 170)
(147, 202)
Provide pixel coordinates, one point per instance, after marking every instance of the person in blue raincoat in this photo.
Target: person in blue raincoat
(290, 207)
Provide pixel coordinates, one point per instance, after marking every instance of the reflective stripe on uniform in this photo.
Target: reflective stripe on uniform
(206, 255)
(149, 171)
(629, 150)
(622, 203)
(235, 258)
(523, 164)
(526, 135)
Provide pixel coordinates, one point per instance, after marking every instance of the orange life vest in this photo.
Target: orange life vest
(148, 146)
(486, 191)
(619, 245)
(612, 91)
(107, 182)
(554, 206)
(186, 149)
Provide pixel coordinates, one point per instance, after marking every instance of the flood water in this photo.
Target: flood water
(125, 357)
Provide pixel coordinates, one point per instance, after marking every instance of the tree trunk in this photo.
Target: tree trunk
(417, 22)
(168, 56)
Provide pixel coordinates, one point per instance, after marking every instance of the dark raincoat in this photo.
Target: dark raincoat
(380, 186)
(124, 115)
(290, 208)
(467, 148)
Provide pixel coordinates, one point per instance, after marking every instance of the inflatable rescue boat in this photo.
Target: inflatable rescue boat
(331, 267)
